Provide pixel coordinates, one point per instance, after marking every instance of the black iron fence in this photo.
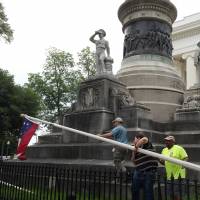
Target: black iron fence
(25, 181)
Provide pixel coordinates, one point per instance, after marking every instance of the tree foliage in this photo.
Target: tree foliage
(5, 30)
(14, 100)
(87, 62)
(57, 85)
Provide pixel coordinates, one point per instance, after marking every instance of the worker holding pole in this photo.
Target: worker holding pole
(174, 172)
(118, 133)
(145, 168)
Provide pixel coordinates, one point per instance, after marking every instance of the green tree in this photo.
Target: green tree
(87, 62)
(5, 30)
(58, 83)
(14, 100)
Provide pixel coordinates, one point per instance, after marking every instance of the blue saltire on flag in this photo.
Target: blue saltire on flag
(27, 131)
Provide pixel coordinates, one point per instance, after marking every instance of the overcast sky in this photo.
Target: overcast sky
(66, 25)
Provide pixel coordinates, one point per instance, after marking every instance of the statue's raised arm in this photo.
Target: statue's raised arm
(93, 36)
(102, 55)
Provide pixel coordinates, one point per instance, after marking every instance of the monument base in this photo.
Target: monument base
(192, 115)
(94, 121)
(153, 81)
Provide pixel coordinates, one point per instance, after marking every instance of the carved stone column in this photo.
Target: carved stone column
(191, 76)
(147, 68)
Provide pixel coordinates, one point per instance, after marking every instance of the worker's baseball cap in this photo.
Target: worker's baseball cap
(170, 138)
(118, 119)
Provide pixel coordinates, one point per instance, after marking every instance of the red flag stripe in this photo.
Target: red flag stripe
(26, 139)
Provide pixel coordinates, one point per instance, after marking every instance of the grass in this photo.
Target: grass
(16, 193)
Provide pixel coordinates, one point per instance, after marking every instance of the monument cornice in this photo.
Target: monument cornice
(185, 26)
(185, 33)
(162, 6)
(187, 55)
(189, 26)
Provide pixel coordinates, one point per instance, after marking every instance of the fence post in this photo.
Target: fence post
(52, 182)
(71, 197)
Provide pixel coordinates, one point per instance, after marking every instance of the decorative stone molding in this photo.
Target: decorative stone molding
(178, 86)
(162, 6)
(146, 13)
(187, 27)
(89, 98)
(188, 54)
(192, 103)
(185, 34)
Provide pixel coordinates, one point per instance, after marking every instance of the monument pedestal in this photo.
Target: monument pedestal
(91, 121)
(190, 115)
(100, 100)
(135, 113)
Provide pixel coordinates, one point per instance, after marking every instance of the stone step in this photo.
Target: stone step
(182, 137)
(52, 138)
(92, 151)
(71, 151)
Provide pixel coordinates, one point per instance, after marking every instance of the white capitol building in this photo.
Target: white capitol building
(185, 36)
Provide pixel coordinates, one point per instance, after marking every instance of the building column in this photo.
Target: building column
(190, 69)
(197, 64)
(180, 66)
(198, 74)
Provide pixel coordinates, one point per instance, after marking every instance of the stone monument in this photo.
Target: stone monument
(147, 67)
(147, 93)
(101, 98)
(190, 111)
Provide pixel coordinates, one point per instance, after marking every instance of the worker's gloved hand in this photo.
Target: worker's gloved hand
(136, 149)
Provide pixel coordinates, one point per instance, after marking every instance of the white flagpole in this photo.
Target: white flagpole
(126, 146)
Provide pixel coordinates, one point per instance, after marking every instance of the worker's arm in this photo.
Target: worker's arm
(162, 162)
(141, 142)
(106, 135)
(185, 159)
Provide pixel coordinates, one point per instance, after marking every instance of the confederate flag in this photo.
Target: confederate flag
(27, 131)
